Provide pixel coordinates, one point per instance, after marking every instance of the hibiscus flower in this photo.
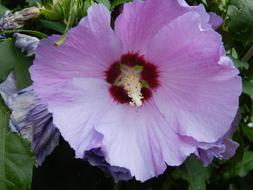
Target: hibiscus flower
(145, 94)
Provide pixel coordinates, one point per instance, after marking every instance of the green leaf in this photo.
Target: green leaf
(65, 11)
(115, 3)
(240, 19)
(248, 132)
(32, 2)
(105, 2)
(194, 173)
(243, 167)
(246, 165)
(57, 26)
(16, 158)
(2, 10)
(240, 64)
(6, 60)
(248, 88)
(31, 32)
(11, 58)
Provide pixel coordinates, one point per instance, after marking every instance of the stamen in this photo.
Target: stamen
(133, 87)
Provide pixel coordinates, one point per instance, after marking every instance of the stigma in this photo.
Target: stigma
(133, 86)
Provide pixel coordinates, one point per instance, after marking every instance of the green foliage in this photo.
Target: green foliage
(69, 12)
(194, 173)
(56, 26)
(241, 168)
(115, 3)
(2, 10)
(105, 2)
(16, 158)
(248, 88)
(11, 59)
(240, 20)
(32, 2)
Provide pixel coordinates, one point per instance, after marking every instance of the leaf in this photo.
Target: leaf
(240, 19)
(65, 11)
(11, 58)
(240, 64)
(115, 3)
(248, 132)
(243, 167)
(32, 2)
(2, 10)
(16, 158)
(193, 172)
(248, 88)
(31, 32)
(105, 2)
(57, 26)
(246, 165)
(6, 60)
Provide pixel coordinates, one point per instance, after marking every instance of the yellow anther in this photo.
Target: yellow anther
(133, 87)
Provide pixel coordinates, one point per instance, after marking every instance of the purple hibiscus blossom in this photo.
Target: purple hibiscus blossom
(147, 94)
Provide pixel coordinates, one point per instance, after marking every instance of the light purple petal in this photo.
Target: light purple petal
(96, 158)
(223, 149)
(76, 118)
(141, 20)
(215, 20)
(200, 88)
(91, 101)
(140, 140)
(86, 52)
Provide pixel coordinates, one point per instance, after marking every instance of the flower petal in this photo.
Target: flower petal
(140, 20)
(215, 20)
(223, 149)
(140, 140)
(90, 100)
(96, 158)
(199, 86)
(87, 51)
(172, 42)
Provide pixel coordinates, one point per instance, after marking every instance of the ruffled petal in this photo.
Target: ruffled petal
(88, 51)
(96, 158)
(215, 20)
(199, 87)
(140, 20)
(173, 44)
(223, 149)
(76, 118)
(140, 140)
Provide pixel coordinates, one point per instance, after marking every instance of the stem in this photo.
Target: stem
(248, 55)
(35, 33)
(117, 186)
(71, 16)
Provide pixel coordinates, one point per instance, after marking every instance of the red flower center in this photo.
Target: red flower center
(132, 79)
